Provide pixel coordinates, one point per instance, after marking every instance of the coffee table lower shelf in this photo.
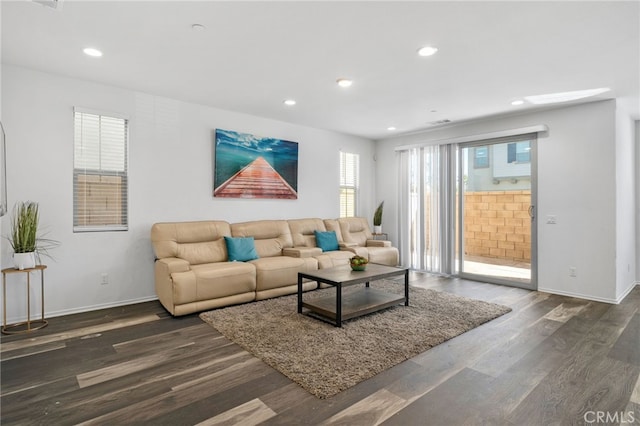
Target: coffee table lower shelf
(361, 302)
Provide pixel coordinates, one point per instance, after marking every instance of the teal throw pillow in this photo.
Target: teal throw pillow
(327, 240)
(241, 249)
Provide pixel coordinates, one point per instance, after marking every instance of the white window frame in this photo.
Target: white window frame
(349, 183)
(101, 170)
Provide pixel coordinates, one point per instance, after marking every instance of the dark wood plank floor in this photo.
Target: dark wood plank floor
(553, 360)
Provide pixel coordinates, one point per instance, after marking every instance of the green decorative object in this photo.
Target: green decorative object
(24, 227)
(377, 215)
(358, 263)
(27, 246)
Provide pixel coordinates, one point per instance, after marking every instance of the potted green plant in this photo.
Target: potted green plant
(27, 246)
(377, 219)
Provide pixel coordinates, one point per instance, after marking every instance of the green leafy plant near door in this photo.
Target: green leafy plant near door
(377, 219)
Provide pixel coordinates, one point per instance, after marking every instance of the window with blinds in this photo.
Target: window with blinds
(100, 181)
(349, 171)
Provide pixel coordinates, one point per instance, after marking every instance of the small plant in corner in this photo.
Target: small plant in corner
(27, 246)
(377, 219)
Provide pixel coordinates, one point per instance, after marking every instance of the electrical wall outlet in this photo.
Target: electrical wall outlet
(573, 271)
(104, 278)
(552, 219)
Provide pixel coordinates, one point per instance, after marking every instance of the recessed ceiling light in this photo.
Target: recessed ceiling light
(552, 98)
(391, 128)
(427, 51)
(90, 51)
(344, 82)
(197, 27)
(517, 102)
(289, 102)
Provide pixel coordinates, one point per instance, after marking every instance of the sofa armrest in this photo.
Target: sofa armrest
(173, 264)
(302, 251)
(378, 243)
(164, 270)
(356, 249)
(348, 247)
(344, 245)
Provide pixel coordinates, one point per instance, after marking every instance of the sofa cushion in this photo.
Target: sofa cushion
(213, 280)
(241, 249)
(333, 225)
(383, 255)
(270, 236)
(330, 259)
(303, 231)
(195, 242)
(355, 230)
(327, 240)
(200, 253)
(280, 271)
(302, 251)
(223, 279)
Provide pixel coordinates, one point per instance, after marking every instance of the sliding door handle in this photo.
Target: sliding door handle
(532, 212)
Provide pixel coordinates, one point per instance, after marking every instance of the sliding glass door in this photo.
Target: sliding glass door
(468, 209)
(496, 211)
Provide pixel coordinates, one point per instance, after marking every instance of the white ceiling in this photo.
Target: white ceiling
(254, 55)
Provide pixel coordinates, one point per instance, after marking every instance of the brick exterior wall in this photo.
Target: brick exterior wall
(497, 225)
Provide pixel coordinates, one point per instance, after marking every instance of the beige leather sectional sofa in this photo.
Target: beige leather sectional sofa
(192, 271)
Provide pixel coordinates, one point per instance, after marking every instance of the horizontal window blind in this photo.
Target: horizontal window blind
(100, 180)
(349, 171)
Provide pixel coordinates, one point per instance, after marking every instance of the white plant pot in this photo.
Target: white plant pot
(377, 229)
(24, 260)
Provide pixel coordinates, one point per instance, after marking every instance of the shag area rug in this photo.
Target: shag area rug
(326, 360)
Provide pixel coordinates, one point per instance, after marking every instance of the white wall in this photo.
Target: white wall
(1, 177)
(626, 256)
(637, 147)
(171, 172)
(576, 183)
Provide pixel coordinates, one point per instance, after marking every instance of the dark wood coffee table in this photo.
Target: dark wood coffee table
(336, 308)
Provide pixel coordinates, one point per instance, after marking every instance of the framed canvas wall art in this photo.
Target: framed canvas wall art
(249, 166)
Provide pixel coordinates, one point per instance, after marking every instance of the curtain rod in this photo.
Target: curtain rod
(539, 128)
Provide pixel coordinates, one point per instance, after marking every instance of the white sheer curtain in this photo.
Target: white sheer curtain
(426, 202)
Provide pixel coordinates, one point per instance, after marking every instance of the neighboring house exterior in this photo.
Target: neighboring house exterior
(500, 167)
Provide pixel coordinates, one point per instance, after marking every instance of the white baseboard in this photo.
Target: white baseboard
(52, 314)
(627, 291)
(589, 297)
(150, 298)
(577, 295)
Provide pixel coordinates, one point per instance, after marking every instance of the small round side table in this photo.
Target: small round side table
(31, 325)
